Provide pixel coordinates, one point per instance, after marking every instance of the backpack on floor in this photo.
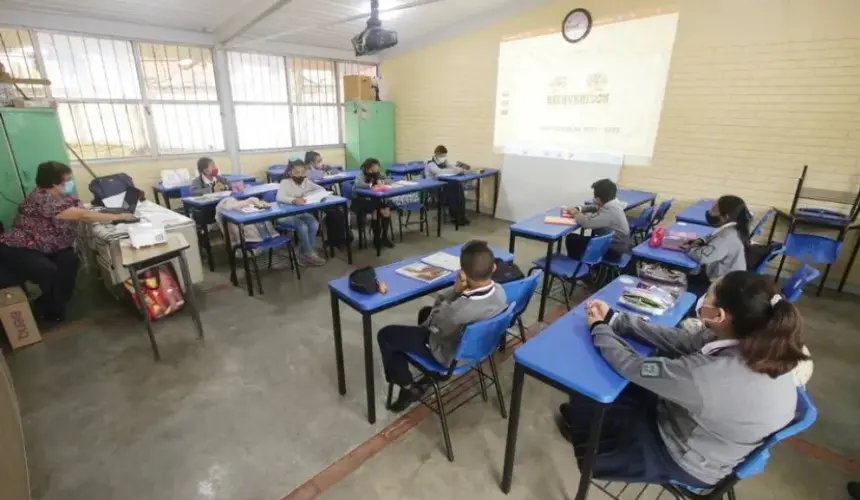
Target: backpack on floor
(334, 228)
(507, 272)
(161, 292)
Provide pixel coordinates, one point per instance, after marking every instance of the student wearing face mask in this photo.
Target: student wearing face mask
(39, 247)
(724, 250)
(293, 190)
(455, 196)
(702, 403)
(209, 180)
(383, 231)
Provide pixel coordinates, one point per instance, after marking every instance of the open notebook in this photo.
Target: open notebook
(317, 196)
(443, 260)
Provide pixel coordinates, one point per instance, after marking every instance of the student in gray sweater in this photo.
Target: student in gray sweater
(702, 403)
(209, 180)
(293, 190)
(724, 250)
(475, 297)
(605, 216)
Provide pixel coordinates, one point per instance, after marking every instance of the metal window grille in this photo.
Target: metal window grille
(18, 56)
(95, 84)
(313, 86)
(261, 96)
(179, 88)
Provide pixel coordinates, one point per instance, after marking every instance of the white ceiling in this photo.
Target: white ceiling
(247, 23)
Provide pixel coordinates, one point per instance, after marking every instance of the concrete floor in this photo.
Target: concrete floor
(252, 412)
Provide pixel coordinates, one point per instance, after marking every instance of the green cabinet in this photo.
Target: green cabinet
(369, 132)
(28, 137)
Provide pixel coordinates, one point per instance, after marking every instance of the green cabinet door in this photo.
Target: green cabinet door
(369, 132)
(10, 186)
(34, 136)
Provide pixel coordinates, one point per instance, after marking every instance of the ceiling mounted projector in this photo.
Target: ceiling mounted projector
(374, 38)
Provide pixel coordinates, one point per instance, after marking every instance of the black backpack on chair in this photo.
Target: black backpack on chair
(506, 273)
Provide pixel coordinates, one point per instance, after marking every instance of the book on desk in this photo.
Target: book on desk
(423, 272)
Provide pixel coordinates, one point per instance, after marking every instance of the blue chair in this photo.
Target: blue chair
(811, 248)
(762, 266)
(202, 219)
(570, 270)
(661, 212)
(640, 227)
(270, 242)
(479, 341)
(408, 209)
(520, 293)
(272, 174)
(805, 415)
(793, 288)
(758, 227)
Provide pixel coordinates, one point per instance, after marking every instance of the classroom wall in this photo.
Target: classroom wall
(756, 90)
(146, 172)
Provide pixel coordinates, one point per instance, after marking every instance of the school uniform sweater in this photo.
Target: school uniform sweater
(288, 190)
(433, 169)
(721, 252)
(713, 410)
(452, 312)
(609, 218)
(200, 185)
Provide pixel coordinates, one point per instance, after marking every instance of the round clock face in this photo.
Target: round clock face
(576, 25)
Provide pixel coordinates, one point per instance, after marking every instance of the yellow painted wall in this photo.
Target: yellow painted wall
(756, 90)
(146, 172)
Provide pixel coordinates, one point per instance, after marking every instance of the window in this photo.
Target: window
(347, 69)
(98, 97)
(18, 56)
(261, 97)
(180, 91)
(315, 102)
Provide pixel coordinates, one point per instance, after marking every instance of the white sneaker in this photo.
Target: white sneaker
(314, 259)
(301, 260)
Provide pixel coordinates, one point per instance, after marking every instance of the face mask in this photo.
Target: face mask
(299, 180)
(69, 187)
(441, 159)
(372, 176)
(699, 305)
(712, 219)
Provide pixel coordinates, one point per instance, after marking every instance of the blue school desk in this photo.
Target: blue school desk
(632, 198)
(476, 176)
(276, 172)
(418, 186)
(176, 191)
(401, 289)
(673, 258)
(695, 213)
(210, 201)
(337, 179)
(407, 169)
(534, 228)
(276, 211)
(563, 356)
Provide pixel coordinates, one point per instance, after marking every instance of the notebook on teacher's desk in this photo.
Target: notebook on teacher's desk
(423, 272)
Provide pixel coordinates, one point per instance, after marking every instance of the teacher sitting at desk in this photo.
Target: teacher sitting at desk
(702, 403)
(39, 247)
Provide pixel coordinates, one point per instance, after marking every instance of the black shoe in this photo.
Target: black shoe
(464, 222)
(387, 243)
(854, 489)
(407, 396)
(564, 428)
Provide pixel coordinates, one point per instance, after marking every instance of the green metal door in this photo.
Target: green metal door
(10, 186)
(34, 136)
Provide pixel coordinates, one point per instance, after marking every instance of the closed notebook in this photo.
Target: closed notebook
(561, 221)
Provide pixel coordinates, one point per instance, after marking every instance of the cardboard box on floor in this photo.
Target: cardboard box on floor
(358, 88)
(17, 319)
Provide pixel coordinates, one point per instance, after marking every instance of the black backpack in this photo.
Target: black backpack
(335, 224)
(756, 253)
(364, 281)
(507, 272)
(111, 185)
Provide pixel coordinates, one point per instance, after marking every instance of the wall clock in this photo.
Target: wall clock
(576, 25)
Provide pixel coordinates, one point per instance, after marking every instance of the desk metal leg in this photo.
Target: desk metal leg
(511, 241)
(850, 264)
(208, 243)
(368, 368)
(590, 452)
(155, 196)
(513, 428)
(189, 294)
(346, 233)
(377, 238)
(231, 255)
(439, 212)
(545, 290)
(495, 193)
(141, 302)
(338, 344)
(242, 245)
(478, 196)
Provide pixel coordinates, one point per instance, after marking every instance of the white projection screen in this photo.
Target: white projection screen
(603, 94)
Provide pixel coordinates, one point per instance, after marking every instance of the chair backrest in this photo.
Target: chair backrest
(762, 266)
(812, 248)
(521, 291)
(481, 338)
(269, 196)
(758, 227)
(662, 210)
(184, 191)
(804, 417)
(793, 288)
(346, 189)
(278, 178)
(596, 248)
(396, 176)
(643, 222)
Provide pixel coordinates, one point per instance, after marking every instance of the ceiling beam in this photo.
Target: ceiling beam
(250, 14)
